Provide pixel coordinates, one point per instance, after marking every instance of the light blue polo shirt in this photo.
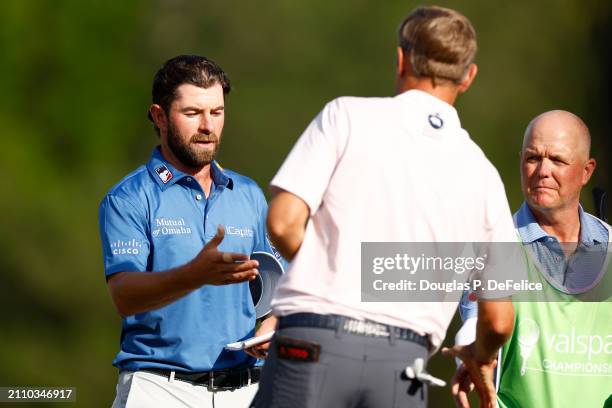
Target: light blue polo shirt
(569, 276)
(158, 218)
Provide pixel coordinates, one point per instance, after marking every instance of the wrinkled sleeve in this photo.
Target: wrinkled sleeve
(123, 232)
(467, 307)
(308, 168)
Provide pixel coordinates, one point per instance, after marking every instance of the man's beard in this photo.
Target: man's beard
(187, 153)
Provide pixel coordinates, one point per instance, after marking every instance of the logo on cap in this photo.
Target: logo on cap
(164, 174)
(435, 121)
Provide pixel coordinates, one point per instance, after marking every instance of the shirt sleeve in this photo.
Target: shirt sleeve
(262, 241)
(123, 232)
(467, 307)
(466, 334)
(307, 170)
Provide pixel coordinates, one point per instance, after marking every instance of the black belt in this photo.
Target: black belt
(220, 380)
(352, 326)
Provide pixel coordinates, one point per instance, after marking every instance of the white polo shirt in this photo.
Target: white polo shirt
(397, 169)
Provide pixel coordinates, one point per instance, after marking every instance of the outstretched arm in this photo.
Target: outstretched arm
(137, 292)
(494, 327)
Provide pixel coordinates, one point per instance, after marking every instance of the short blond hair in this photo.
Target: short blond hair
(439, 43)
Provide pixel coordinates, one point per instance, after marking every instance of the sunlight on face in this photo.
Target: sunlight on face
(554, 161)
(195, 124)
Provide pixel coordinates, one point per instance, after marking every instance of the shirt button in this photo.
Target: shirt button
(189, 179)
(198, 197)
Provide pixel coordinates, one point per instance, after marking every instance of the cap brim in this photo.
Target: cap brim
(262, 288)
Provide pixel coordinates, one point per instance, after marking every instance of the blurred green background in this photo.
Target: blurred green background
(75, 80)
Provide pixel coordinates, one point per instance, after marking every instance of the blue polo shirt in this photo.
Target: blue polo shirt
(158, 218)
(567, 275)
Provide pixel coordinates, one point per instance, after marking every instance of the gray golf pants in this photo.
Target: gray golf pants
(352, 371)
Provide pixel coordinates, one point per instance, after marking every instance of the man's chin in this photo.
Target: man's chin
(201, 159)
(199, 164)
(196, 162)
(543, 203)
(205, 155)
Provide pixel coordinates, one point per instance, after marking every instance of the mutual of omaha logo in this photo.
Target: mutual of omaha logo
(170, 226)
(129, 247)
(435, 121)
(164, 174)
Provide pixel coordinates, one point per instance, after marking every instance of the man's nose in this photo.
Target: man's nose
(206, 124)
(544, 168)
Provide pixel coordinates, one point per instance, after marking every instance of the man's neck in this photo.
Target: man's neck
(445, 90)
(203, 175)
(563, 223)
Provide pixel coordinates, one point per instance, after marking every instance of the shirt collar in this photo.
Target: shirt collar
(433, 104)
(591, 230)
(220, 177)
(527, 225)
(530, 230)
(165, 174)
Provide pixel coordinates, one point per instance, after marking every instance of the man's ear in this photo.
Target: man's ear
(589, 168)
(469, 77)
(401, 59)
(158, 115)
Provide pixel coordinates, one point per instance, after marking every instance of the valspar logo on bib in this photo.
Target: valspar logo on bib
(170, 226)
(565, 353)
(129, 247)
(240, 231)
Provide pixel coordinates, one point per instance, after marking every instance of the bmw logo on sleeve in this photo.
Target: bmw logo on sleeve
(435, 121)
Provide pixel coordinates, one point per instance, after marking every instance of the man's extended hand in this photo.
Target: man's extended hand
(140, 292)
(461, 386)
(472, 373)
(213, 267)
(261, 350)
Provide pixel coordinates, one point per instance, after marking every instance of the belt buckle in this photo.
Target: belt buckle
(231, 379)
(211, 381)
(227, 376)
(214, 388)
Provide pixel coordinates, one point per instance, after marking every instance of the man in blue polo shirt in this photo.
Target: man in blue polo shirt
(176, 234)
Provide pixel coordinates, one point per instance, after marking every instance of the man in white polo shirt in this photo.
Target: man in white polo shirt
(397, 169)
